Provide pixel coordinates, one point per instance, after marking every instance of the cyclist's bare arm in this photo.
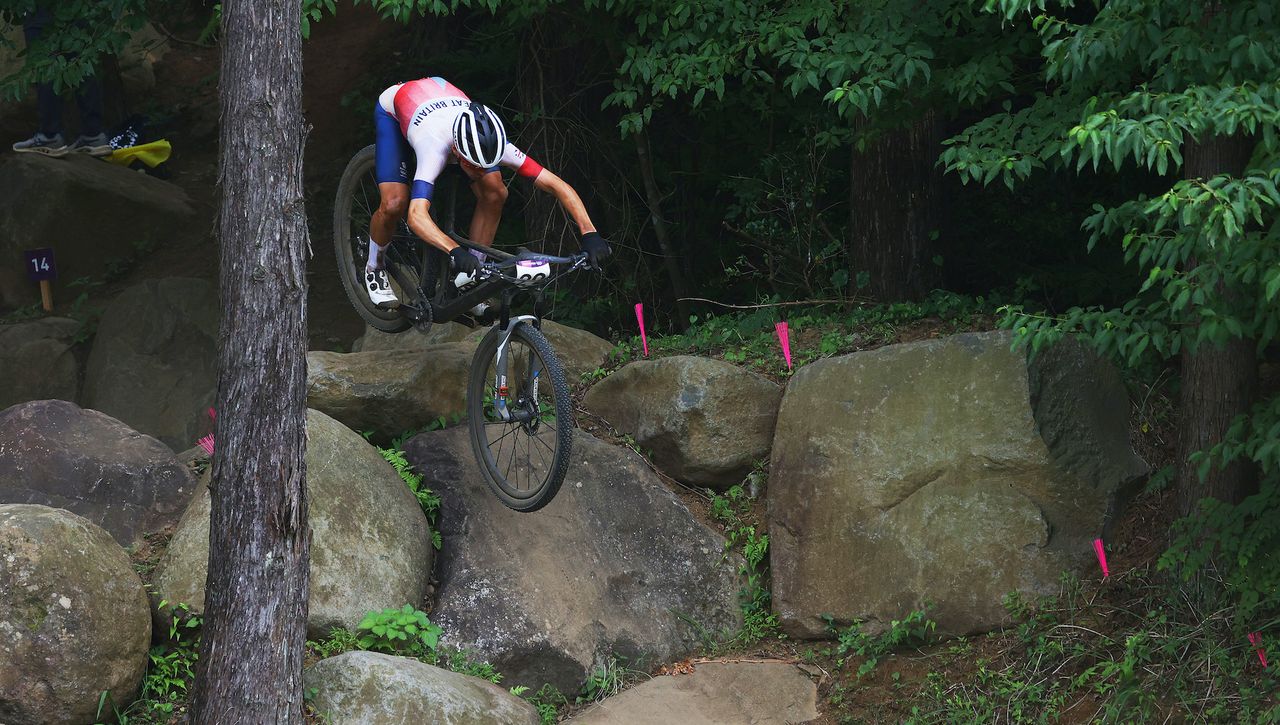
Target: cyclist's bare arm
(421, 223)
(567, 197)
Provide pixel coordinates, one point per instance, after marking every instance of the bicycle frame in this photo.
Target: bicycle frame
(445, 307)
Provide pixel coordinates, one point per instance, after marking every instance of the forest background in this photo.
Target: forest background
(1106, 169)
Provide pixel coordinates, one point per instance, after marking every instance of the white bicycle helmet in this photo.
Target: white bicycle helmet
(479, 136)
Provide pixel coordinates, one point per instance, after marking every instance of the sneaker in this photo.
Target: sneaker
(375, 280)
(92, 145)
(42, 144)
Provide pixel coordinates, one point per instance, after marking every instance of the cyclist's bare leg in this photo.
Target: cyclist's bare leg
(393, 204)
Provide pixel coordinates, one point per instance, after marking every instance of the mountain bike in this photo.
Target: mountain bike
(519, 413)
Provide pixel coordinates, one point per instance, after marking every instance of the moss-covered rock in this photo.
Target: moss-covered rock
(73, 618)
(366, 687)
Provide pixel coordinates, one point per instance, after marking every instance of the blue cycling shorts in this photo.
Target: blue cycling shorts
(394, 160)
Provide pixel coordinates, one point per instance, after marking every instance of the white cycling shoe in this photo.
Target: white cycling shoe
(379, 288)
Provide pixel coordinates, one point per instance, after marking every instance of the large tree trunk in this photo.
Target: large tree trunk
(894, 210)
(250, 666)
(1218, 383)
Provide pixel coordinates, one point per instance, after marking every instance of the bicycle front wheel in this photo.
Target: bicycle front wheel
(520, 416)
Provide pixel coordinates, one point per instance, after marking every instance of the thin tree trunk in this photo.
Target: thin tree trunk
(894, 211)
(250, 666)
(654, 199)
(1218, 383)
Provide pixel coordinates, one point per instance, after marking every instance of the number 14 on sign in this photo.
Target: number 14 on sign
(41, 268)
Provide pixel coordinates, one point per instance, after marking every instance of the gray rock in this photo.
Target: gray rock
(89, 212)
(577, 350)
(56, 454)
(948, 471)
(375, 340)
(705, 421)
(154, 359)
(716, 693)
(73, 618)
(370, 541)
(364, 688)
(390, 391)
(615, 565)
(38, 361)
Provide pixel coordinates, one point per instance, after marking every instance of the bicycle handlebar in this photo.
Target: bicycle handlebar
(507, 260)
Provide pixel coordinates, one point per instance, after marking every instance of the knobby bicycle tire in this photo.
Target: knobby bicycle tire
(481, 421)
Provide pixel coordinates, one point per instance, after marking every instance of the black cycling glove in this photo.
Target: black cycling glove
(596, 247)
(462, 260)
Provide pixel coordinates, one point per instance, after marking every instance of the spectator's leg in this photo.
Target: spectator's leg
(48, 103)
(89, 99)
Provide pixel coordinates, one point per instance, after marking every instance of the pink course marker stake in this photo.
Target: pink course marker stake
(1102, 557)
(640, 320)
(207, 442)
(784, 339)
(1255, 639)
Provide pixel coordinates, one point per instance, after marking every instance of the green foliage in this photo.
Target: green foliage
(758, 620)
(427, 499)
(339, 640)
(170, 673)
(851, 641)
(1159, 657)
(548, 701)
(404, 631)
(606, 679)
(1142, 84)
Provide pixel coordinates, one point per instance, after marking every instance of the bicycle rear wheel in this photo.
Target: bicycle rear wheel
(408, 269)
(524, 454)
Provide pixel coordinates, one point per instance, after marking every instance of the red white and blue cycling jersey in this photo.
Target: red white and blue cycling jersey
(418, 117)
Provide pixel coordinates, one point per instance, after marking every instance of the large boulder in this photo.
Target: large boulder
(38, 361)
(56, 454)
(715, 693)
(154, 363)
(375, 340)
(89, 212)
(705, 421)
(577, 350)
(390, 391)
(356, 688)
(370, 541)
(73, 618)
(614, 565)
(949, 471)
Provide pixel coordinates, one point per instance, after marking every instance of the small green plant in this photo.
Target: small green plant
(339, 640)
(427, 499)
(758, 620)
(915, 628)
(548, 701)
(403, 631)
(606, 679)
(170, 669)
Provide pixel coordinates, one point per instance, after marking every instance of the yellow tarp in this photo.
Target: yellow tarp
(152, 154)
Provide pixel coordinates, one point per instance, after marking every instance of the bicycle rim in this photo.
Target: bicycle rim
(357, 200)
(523, 459)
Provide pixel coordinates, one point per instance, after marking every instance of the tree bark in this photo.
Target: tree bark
(250, 666)
(669, 257)
(1219, 383)
(894, 210)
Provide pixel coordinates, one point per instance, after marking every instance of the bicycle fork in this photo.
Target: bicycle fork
(501, 390)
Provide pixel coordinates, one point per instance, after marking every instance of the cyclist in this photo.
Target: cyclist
(440, 125)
